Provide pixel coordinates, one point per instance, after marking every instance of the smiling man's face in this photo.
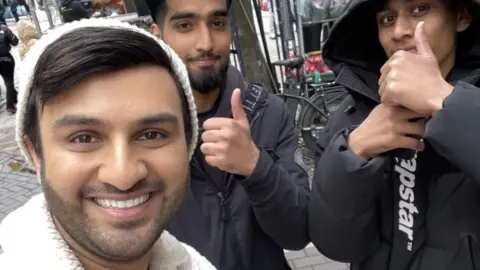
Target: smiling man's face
(115, 164)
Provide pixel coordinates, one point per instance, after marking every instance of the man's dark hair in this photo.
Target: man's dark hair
(159, 8)
(89, 51)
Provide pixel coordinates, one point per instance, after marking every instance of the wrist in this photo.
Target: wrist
(252, 164)
(355, 145)
(443, 92)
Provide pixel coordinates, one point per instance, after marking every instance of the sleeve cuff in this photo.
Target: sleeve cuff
(264, 164)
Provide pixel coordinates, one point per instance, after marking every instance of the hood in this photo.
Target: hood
(26, 31)
(30, 240)
(361, 50)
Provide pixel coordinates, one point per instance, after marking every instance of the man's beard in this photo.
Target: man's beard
(125, 242)
(208, 79)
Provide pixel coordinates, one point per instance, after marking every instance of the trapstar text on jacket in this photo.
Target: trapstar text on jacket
(406, 205)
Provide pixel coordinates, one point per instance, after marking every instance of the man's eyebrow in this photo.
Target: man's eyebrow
(192, 15)
(220, 13)
(184, 15)
(82, 120)
(159, 118)
(77, 120)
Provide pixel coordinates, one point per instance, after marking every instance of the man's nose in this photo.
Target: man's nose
(403, 28)
(121, 168)
(205, 39)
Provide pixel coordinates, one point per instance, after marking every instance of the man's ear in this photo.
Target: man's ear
(155, 30)
(464, 19)
(35, 156)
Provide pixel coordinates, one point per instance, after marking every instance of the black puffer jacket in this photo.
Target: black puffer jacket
(391, 213)
(7, 40)
(244, 224)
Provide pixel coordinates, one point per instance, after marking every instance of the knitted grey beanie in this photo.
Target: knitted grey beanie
(29, 63)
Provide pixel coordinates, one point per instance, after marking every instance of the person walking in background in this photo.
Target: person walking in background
(73, 10)
(7, 65)
(28, 34)
(25, 4)
(2, 14)
(13, 8)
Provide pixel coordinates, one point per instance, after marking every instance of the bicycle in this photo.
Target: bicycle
(310, 98)
(314, 117)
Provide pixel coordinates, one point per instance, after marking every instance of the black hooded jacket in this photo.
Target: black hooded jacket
(7, 40)
(73, 10)
(390, 213)
(244, 224)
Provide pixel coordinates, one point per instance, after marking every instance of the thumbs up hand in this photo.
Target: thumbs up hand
(414, 79)
(227, 143)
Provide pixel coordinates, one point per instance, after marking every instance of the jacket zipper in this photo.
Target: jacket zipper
(221, 194)
(223, 204)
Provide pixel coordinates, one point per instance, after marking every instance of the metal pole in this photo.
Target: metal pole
(57, 9)
(33, 13)
(286, 27)
(49, 14)
(300, 36)
(289, 13)
(275, 25)
(258, 14)
(236, 39)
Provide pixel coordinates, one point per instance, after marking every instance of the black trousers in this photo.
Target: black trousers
(7, 69)
(13, 9)
(15, 15)
(24, 3)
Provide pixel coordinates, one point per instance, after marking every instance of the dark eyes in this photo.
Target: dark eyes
(146, 136)
(185, 26)
(152, 135)
(387, 20)
(219, 23)
(420, 9)
(416, 11)
(84, 138)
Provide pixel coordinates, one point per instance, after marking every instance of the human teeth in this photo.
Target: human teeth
(123, 204)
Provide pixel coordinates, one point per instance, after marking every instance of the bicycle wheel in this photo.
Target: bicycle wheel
(311, 122)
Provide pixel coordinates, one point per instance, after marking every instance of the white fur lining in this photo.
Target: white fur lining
(28, 66)
(30, 241)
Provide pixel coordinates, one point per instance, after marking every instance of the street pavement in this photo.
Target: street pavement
(18, 183)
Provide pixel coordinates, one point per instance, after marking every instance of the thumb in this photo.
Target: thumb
(237, 106)
(421, 40)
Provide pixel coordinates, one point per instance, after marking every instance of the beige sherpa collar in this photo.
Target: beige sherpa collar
(30, 240)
